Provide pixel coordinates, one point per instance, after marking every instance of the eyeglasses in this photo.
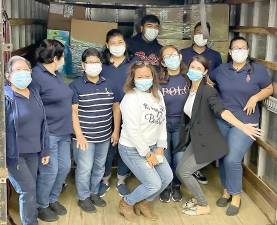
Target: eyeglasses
(171, 55)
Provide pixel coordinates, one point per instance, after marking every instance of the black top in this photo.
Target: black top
(201, 130)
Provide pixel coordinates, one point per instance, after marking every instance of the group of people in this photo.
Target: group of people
(164, 114)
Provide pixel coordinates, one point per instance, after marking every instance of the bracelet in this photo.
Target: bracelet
(148, 155)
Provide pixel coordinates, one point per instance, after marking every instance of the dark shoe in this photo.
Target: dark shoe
(87, 205)
(165, 195)
(122, 190)
(176, 194)
(98, 201)
(58, 208)
(233, 210)
(104, 188)
(223, 202)
(47, 215)
(200, 177)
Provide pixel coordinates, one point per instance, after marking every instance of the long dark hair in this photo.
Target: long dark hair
(164, 76)
(201, 59)
(130, 81)
(106, 52)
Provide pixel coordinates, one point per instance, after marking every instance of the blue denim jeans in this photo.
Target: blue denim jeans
(173, 138)
(230, 168)
(90, 168)
(122, 169)
(153, 180)
(52, 176)
(23, 178)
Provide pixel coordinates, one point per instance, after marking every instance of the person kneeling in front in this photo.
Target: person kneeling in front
(143, 140)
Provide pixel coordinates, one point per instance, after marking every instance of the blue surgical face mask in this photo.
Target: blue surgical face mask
(21, 79)
(172, 62)
(195, 75)
(144, 84)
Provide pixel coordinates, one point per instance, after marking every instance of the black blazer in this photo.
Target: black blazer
(201, 130)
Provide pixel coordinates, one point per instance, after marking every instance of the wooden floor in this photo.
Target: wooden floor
(169, 213)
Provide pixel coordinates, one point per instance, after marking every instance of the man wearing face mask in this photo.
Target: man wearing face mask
(56, 97)
(199, 47)
(145, 45)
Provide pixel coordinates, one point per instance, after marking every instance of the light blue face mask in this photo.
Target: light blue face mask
(172, 62)
(144, 84)
(21, 79)
(194, 75)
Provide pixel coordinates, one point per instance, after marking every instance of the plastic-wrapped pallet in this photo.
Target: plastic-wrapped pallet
(178, 22)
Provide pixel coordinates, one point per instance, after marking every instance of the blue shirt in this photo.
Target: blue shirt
(95, 102)
(116, 77)
(175, 94)
(30, 119)
(12, 126)
(236, 87)
(57, 100)
(212, 56)
(145, 51)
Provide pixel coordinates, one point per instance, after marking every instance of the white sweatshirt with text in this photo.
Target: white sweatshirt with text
(144, 121)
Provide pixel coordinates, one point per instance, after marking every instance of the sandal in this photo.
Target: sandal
(194, 211)
(189, 204)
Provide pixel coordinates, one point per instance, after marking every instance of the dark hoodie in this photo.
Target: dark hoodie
(148, 51)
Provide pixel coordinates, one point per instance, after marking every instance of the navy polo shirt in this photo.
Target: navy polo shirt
(95, 102)
(145, 51)
(236, 87)
(211, 55)
(30, 119)
(116, 77)
(175, 94)
(56, 97)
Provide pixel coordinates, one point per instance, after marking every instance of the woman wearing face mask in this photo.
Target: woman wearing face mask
(202, 142)
(143, 140)
(27, 136)
(241, 84)
(93, 108)
(57, 99)
(117, 61)
(175, 90)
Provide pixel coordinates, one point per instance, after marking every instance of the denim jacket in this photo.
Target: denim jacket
(11, 116)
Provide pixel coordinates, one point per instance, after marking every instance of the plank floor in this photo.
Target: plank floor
(169, 213)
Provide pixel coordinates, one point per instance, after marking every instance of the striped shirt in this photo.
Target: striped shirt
(95, 102)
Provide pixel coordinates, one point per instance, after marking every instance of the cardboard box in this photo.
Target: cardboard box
(86, 34)
(60, 15)
(91, 31)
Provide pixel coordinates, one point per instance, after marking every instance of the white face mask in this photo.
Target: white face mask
(60, 65)
(117, 50)
(93, 69)
(239, 55)
(199, 40)
(151, 33)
